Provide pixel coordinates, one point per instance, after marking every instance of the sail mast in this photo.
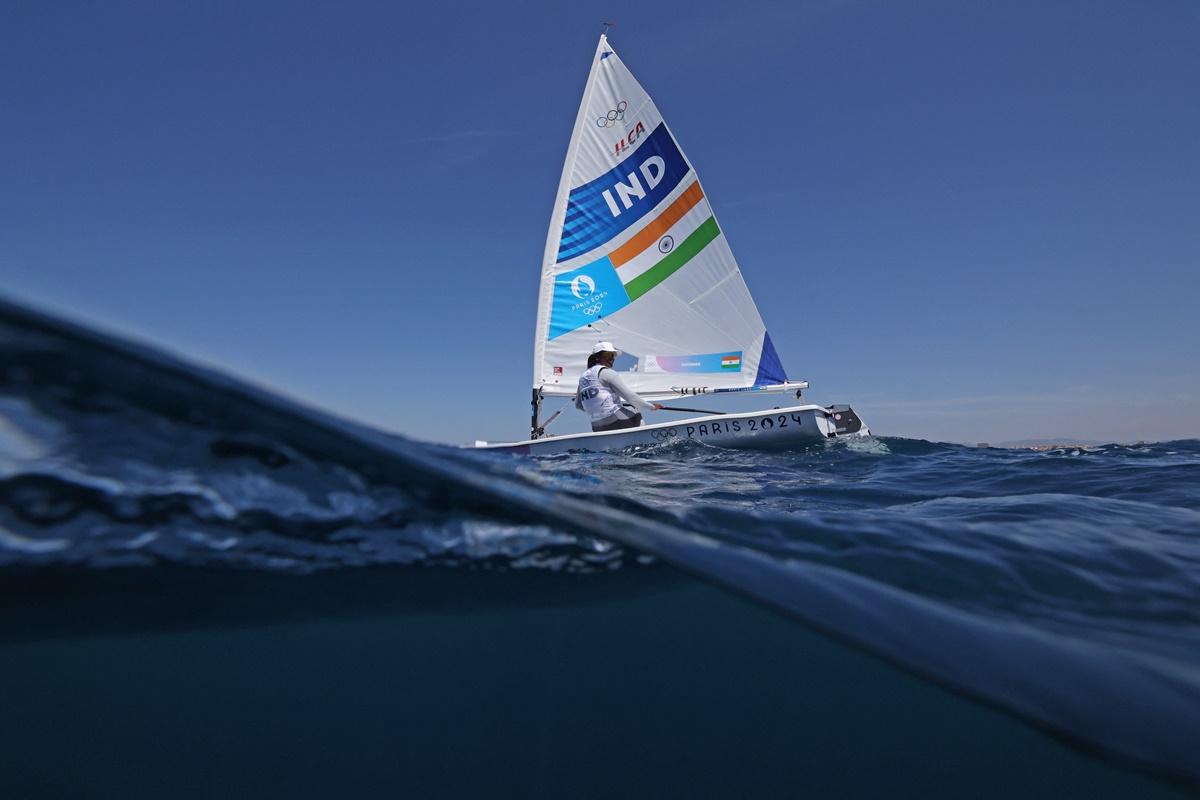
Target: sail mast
(550, 256)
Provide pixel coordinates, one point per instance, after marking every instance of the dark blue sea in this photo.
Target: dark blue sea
(207, 590)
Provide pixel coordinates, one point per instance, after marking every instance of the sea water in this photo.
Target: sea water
(207, 591)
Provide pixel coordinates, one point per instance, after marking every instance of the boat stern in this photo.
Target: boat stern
(843, 421)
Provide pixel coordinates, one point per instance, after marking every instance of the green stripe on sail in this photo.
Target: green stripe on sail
(664, 269)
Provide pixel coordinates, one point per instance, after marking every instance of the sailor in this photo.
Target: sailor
(604, 396)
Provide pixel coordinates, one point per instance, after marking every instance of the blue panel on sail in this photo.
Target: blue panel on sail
(602, 208)
(770, 368)
(585, 295)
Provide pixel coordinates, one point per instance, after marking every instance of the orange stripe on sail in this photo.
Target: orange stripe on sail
(652, 232)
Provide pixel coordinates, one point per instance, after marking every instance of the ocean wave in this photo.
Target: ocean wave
(1036, 582)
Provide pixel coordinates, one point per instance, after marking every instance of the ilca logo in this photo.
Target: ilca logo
(612, 116)
(583, 287)
(631, 135)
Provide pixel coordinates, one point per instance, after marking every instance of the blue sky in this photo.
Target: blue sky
(972, 221)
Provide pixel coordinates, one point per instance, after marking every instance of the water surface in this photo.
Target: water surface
(208, 590)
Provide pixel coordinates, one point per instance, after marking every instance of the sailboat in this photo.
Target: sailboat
(635, 256)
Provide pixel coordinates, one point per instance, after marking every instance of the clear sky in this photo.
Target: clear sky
(970, 220)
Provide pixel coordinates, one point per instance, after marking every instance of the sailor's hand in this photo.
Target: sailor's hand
(658, 407)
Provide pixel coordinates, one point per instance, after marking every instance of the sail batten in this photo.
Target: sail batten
(635, 254)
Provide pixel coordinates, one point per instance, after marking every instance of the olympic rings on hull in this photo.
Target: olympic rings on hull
(664, 434)
(613, 116)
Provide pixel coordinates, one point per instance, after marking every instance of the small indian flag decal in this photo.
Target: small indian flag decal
(731, 362)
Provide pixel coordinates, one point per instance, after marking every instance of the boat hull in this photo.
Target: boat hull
(773, 429)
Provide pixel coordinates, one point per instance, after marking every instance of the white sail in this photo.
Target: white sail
(635, 256)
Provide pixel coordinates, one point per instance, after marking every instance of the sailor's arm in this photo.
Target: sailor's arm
(613, 381)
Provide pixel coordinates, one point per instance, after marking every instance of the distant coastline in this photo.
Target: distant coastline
(1050, 444)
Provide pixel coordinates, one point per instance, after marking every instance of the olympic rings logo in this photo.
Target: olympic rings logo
(613, 116)
(664, 434)
(593, 310)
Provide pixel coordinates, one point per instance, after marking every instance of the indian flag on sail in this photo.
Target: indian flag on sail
(663, 246)
(666, 244)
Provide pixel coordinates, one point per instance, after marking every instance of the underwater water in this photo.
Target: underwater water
(209, 591)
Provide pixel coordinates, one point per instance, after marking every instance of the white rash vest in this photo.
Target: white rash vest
(601, 391)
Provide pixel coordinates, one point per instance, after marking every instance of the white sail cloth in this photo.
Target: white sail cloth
(635, 255)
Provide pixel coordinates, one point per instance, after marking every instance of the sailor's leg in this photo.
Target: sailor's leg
(621, 421)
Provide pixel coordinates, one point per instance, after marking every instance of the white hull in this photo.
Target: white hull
(774, 429)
